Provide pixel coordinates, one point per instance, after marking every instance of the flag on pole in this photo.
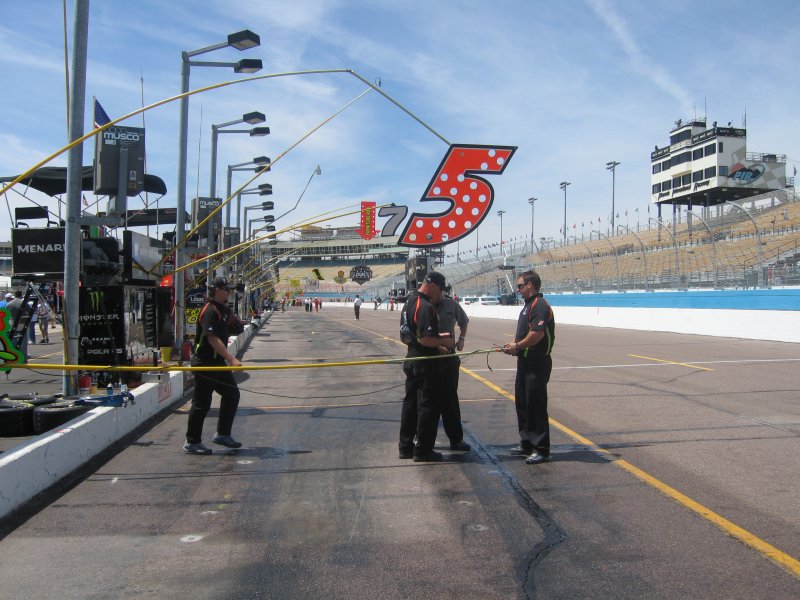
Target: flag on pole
(100, 116)
(795, 171)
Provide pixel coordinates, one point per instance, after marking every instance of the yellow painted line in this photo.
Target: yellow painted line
(783, 560)
(48, 355)
(789, 563)
(671, 362)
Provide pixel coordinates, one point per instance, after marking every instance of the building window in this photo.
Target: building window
(656, 188)
(710, 149)
(685, 180)
(697, 154)
(665, 186)
(723, 171)
(697, 176)
(710, 172)
(656, 168)
(665, 165)
(720, 147)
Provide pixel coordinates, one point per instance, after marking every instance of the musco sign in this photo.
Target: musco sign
(37, 250)
(102, 326)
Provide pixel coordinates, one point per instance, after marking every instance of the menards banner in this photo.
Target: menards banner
(37, 250)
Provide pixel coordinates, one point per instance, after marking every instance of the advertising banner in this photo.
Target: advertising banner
(37, 250)
(195, 300)
(107, 153)
(101, 319)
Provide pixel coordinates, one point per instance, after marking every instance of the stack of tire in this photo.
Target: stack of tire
(24, 415)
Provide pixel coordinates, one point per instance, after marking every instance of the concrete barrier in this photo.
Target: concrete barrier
(45, 459)
(36, 465)
(765, 314)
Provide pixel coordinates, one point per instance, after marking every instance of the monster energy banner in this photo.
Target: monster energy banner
(102, 325)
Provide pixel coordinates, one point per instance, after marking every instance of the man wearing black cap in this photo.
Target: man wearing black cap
(215, 323)
(422, 404)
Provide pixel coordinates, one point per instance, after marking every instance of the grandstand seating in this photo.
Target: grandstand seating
(679, 256)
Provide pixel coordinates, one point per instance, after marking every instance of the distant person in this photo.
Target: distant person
(357, 306)
(215, 323)
(422, 403)
(33, 323)
(6, 299)
(451, 314)
(44, 322)
(533, 342)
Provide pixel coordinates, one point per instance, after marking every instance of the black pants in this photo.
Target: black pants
(530, 400)
(451, 411)
(357, 310)
(205, 384)
(422, 405)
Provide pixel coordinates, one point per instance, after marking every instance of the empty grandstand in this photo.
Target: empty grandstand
(749, 243)
(321, 260)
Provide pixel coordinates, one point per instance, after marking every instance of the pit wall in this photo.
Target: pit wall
(45, 459)
(762, 314)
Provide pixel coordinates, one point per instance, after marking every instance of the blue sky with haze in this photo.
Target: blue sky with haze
(574, 84)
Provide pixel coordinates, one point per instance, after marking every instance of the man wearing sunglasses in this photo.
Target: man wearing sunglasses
(533, 342)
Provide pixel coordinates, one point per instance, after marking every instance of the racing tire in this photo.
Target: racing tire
(16, 419)
(34, 399)
(50, 416)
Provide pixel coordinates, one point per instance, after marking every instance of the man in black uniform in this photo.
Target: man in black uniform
(215, 323)
(450, 313)
(533, 342)
(422, 404)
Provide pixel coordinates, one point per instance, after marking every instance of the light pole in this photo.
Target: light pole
(252, 118)
(260, 162)
(612, 166)
(532, 201)
(241, 40)
(500, 214)
(563, 185)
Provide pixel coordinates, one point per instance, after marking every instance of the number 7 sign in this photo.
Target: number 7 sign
(470, 196)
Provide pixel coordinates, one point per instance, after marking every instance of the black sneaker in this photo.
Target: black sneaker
(404, 454)
(198, 449)
(460, 446)
(521, 450)
(535, 458)
(431, 456)
(226, 440)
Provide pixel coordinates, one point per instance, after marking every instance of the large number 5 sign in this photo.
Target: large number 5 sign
(470, 197)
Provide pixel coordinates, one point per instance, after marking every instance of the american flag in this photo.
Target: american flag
(100, 116)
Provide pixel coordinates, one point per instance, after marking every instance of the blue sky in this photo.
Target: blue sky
(573, 84)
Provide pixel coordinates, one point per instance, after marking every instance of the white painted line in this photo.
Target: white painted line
(629, 365)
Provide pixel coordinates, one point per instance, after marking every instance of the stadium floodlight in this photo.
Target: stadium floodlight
(241, 40)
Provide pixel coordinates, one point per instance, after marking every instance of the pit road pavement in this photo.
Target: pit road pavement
(317, 503)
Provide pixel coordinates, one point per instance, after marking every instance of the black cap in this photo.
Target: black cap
(436, 279)
(220, 283)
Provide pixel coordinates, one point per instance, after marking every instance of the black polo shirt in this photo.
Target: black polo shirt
(536, 315)
(215, 319)
(420, 315)
(450, 312)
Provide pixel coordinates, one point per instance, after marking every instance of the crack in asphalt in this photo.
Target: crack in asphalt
(554, 535)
